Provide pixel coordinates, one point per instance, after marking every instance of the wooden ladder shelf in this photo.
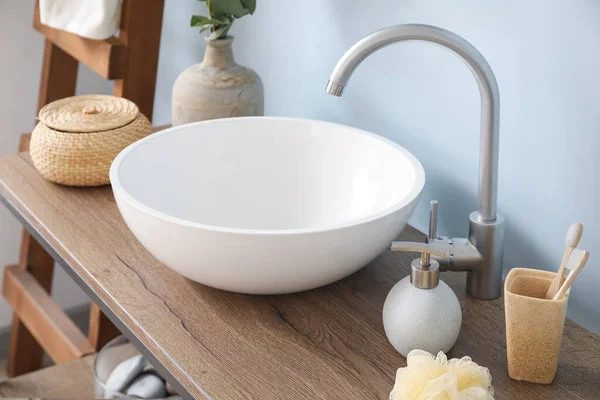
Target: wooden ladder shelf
(106, 57)
(131, 60)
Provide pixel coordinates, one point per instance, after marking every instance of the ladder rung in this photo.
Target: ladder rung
(47, 322)
(105, 57)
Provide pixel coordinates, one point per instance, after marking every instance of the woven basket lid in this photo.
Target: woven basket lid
(90, 113)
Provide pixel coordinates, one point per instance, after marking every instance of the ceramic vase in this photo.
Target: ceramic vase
(217, 88)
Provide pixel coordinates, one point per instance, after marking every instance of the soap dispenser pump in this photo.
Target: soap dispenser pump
(421, 311)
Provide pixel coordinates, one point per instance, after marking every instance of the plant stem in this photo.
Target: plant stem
(212, 29)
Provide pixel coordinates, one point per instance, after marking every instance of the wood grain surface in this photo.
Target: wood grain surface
(141, 27)
(58, 80)
(326, 343)
(72, 380)
(100, 329)
(45, 320)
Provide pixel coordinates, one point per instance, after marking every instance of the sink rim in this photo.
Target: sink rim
(414, 193)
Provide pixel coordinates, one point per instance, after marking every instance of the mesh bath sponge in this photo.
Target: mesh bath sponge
(436, 378)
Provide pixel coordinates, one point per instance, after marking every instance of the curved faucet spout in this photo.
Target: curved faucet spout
(488, 88)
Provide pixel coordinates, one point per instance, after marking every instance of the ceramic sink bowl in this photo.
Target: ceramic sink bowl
(266, 205)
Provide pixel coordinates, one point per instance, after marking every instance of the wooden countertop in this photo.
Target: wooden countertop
(326, 343)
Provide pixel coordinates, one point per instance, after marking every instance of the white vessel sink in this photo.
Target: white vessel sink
(266, 205)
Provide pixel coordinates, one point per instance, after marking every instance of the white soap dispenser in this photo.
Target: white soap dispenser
(421, 311)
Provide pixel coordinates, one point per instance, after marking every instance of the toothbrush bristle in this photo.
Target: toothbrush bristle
(574, 235)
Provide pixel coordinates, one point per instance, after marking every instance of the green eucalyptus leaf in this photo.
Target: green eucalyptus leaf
(200, 20)
(250, 5)
(220, 8)
(245, 12)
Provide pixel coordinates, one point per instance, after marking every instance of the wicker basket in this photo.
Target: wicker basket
(78, 137)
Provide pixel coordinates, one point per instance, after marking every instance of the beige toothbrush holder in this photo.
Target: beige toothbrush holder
(534, 325)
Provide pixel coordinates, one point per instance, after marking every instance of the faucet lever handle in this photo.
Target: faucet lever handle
(433, 217)
(435, 249)
(433, 214)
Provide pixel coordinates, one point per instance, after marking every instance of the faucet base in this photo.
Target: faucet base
(485, 281)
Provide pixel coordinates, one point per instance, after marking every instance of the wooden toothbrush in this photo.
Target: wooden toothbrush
(575, 263)
(571, 241)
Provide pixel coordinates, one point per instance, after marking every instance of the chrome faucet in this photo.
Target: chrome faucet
(481, 253)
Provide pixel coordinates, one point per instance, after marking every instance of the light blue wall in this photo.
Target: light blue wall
(546, 56)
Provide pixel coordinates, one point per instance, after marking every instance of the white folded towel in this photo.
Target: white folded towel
(94, 19)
